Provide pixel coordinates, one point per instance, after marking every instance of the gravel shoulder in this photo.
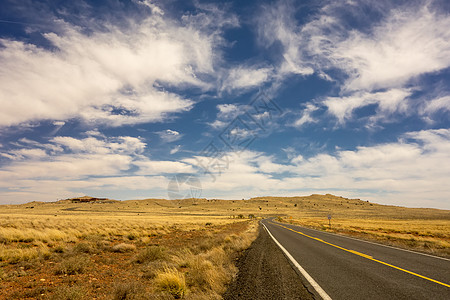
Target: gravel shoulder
(265, 273)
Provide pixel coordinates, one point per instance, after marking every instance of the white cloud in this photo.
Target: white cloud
(226, 113)
(405, 42)
(59, 123)
(169, 135)
(277, 24)
(387, 102)
(175, 149)
(162, 167)
(408, 172)
(306, 116)
(436, 105)
(38, 171)
(112, 77)
(154, 8)
(408, 43)
(246, 77)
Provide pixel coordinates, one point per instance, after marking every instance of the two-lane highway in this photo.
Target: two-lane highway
(347, 268)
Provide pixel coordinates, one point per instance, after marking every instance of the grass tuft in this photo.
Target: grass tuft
(150, 254)
(172, 281)
(73, 265)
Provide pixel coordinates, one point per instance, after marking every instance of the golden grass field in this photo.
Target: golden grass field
(161, 249)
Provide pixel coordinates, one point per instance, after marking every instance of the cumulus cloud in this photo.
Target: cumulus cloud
(113, 76)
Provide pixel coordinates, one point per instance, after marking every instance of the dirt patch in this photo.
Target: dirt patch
(265, 273)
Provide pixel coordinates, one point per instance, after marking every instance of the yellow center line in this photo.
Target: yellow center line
(363, 255)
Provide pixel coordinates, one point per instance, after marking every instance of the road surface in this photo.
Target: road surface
(346, 268)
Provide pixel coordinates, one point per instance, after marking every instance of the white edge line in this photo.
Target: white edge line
(308, 277)
(361, 240)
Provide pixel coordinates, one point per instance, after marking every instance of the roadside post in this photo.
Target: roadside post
(329, 220)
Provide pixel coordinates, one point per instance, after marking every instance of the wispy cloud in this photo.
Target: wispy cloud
(306, 116)
(113, 76)
(389, 102)
(241, 78)
(226, 113)
(376, 62)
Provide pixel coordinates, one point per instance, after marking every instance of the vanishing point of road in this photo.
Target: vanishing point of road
(339, 267)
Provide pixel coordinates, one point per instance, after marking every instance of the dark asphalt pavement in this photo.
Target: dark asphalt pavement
(347, 268)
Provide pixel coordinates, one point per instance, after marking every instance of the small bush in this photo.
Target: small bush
(83, 247)
(171, 281)
(123, 248)
(149, 254)
(73, 265)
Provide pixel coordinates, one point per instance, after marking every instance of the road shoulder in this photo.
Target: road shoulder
(265, 273)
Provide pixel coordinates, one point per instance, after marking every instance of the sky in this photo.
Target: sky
(233, 99)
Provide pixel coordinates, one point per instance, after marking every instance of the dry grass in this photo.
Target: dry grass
(150, 254)
(73, 265)
(172, 281)
(81, 251)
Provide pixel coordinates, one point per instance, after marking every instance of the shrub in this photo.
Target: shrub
(171, 281)
(83, 247)
(123, 248)
(73, 265)
(149, 254)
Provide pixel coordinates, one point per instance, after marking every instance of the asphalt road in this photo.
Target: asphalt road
(347, 268)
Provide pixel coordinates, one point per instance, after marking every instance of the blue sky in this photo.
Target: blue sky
(115, 98)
